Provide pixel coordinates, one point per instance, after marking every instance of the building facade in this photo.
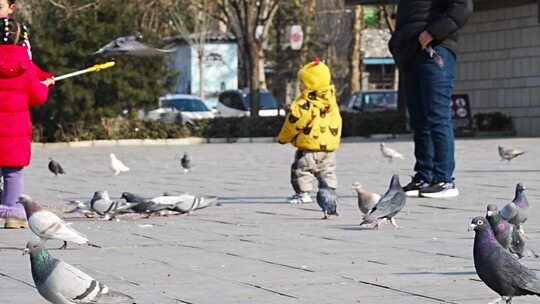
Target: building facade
(499, 62)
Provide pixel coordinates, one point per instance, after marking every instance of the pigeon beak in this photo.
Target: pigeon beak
(472, 227)
(489, 213)
(26, 251)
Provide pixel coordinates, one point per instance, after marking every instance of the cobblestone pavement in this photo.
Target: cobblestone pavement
(255, 248)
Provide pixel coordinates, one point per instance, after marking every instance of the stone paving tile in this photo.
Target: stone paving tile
(255, 248)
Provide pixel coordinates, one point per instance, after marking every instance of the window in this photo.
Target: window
(266, 102)
(186, 105)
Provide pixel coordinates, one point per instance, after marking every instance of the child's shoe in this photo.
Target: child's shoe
(302, 198)
(15, 223)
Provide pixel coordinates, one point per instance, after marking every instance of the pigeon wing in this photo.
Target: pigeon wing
(509, 211)
(48, 225)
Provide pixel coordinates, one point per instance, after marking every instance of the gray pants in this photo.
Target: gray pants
(310, 164)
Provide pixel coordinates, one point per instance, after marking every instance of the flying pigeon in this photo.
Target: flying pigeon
(326, 198)
(389, 153)
(388, 206)
(62, 283)
(186, 163)
(117, 166)
(128, 45)
(516, 211)
(506, 234)
(48, 226)
(366, 200)
(509, 153)
(55, 167)
(498, 268)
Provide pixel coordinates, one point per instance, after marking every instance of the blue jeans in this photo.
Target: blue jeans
(428, 86)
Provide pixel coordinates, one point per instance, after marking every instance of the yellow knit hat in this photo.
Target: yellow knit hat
(315, 75)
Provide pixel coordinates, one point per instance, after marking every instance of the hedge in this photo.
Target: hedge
(357, 124)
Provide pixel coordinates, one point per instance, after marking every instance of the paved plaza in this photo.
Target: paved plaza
(254, 248)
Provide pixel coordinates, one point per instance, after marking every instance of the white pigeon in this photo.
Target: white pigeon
(48, 226)
(389, 153)
(61, 283)
(117, 166)
(366, 200)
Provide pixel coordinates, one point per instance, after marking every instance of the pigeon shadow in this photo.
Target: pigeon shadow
(353, 228)
(502, 171)
(451, 273)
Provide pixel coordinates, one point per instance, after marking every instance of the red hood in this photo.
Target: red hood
(14, 60)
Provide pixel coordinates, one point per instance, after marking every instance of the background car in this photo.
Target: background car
(235, 103)
(180, 108)
(372, 101)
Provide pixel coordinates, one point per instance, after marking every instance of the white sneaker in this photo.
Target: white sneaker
(302, 198)
(440, 190)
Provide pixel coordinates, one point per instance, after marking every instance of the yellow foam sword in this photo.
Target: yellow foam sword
(95, 68)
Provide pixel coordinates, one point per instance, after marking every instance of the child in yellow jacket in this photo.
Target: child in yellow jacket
(313, 125)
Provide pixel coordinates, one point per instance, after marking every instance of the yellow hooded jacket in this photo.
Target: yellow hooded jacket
(313, 122)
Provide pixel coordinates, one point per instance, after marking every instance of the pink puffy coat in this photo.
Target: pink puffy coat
(20, 87)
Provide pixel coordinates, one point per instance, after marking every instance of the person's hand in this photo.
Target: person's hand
(48, 82)
(425, 39)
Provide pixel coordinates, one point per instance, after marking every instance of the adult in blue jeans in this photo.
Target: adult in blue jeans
(424, 48)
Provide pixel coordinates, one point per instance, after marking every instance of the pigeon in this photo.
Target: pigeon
(516, 211)
(149, 206)
(366, 200)
(61, 283)
(506, 234)
(326, 198)
(390, 153)
(55, 167)
(388, 206)
(102, 204)
(128, 45)
(48, 226)
(187, 203)
(184, 203)
(498, 268)
(186, 163)
(509, 153)
(117, 166)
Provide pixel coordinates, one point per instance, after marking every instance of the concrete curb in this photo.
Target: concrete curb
(197, 141)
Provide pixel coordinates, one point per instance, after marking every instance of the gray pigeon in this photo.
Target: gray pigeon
(516, 212)
(128, 45)
(498, 268)
(506, 234)
(509, 153)
(48, 226)
(102, 204)
(366, 200)
(326, 198)
(187, 203)
(55, 167)
(61, 283)
(388, 206)
(148, 206)
(186, 163)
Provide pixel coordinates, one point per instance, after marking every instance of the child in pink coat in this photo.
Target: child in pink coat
(20, 87)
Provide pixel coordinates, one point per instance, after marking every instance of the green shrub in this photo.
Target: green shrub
(493, 121)
(354, 124)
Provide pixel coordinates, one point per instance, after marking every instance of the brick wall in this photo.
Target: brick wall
(499, 65)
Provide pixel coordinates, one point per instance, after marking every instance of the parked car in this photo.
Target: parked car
(186, 107)
(235, 103)
(372, 101)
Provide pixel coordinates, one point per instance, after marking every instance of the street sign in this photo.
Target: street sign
(461, 115)
(296, 37)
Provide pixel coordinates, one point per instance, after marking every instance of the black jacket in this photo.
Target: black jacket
(441, 18)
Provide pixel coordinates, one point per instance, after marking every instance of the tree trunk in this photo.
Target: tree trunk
(260, 68)
(254, 83)
(356, 50)
(201, 54)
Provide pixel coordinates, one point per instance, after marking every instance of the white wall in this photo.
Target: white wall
(499, 65)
